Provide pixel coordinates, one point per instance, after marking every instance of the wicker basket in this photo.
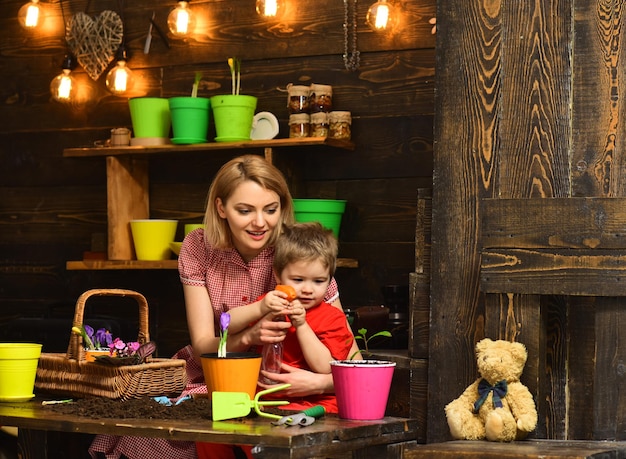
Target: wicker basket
(71, 375)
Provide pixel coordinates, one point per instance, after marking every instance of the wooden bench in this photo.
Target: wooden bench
(529, 449)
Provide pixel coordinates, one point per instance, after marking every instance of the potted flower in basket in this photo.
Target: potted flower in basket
(100, 346)
(233, 113)
(95, 342)
(362, 386)
(230, 371)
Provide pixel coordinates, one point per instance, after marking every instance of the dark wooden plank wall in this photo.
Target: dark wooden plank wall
(536, 88)
(52, 209)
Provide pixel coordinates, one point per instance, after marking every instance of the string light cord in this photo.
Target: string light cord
(69, 61)
(64, 21)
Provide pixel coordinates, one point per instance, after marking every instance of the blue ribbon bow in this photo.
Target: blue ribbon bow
(484, 389)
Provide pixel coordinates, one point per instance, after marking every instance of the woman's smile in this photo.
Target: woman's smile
(258, 235)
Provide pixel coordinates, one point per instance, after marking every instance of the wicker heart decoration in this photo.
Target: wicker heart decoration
(94, 42)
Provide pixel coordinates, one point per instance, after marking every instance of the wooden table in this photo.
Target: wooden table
(328, 436)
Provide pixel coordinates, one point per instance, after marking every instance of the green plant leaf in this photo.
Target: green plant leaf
(196, 83)
(362, 334)
(381, 333)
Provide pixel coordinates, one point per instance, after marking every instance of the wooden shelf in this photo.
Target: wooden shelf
(128, 190)
(212, 146)
(98, 265)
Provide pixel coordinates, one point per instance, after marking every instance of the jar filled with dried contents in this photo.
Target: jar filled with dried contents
(299, 125)
(321, 98)
(340, 123)
(319, 124)
(298, 98)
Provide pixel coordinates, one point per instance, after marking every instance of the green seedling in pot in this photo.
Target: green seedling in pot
(196, 83)
(362, 335)
(235, 74)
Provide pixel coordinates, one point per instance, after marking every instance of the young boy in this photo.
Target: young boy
(305, 258)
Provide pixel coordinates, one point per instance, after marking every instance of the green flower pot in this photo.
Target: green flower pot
(326, 211)
(233, 117)
(150, 117)
(190, 119)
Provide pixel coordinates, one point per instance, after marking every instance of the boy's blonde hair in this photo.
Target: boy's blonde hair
(306, 242)
(236, 171)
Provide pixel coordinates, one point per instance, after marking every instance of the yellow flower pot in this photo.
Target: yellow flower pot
(18, 367)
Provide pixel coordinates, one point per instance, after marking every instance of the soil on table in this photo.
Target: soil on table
(198, 407)
(141, 408)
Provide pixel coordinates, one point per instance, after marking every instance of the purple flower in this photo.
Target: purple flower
(103, 338)
(224, 321)
(89, 332)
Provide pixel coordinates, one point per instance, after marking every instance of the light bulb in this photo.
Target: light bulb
(381, 16)
(181, 20)
(120, 79)
(62, 86)
(269, 8)
(30, 15)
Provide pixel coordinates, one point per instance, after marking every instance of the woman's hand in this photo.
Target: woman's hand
(265, 331)
(302, 382)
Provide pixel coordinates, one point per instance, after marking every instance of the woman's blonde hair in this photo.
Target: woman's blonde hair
(236, 171)
(306, 242)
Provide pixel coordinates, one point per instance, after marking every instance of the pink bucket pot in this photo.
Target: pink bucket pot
(362, 387)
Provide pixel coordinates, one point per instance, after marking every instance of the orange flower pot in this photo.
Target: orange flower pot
(237, 372)
(90, 355)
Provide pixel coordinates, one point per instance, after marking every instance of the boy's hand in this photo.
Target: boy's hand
(296, 313)
(274, 303)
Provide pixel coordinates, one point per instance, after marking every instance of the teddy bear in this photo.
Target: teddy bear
(497, 406)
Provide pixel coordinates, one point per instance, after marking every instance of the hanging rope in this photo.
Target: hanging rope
(352, 60)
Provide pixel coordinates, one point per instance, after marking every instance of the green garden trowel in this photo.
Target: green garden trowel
(229, 405)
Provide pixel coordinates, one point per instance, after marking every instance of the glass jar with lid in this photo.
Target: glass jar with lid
(319, 124)
(321, 98)
(298, 98)
(299, 125)
(340, 123)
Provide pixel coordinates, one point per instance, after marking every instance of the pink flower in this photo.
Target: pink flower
(118, 344)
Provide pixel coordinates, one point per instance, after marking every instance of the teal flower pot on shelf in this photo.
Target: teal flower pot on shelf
(326, 211)
(190, 119)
